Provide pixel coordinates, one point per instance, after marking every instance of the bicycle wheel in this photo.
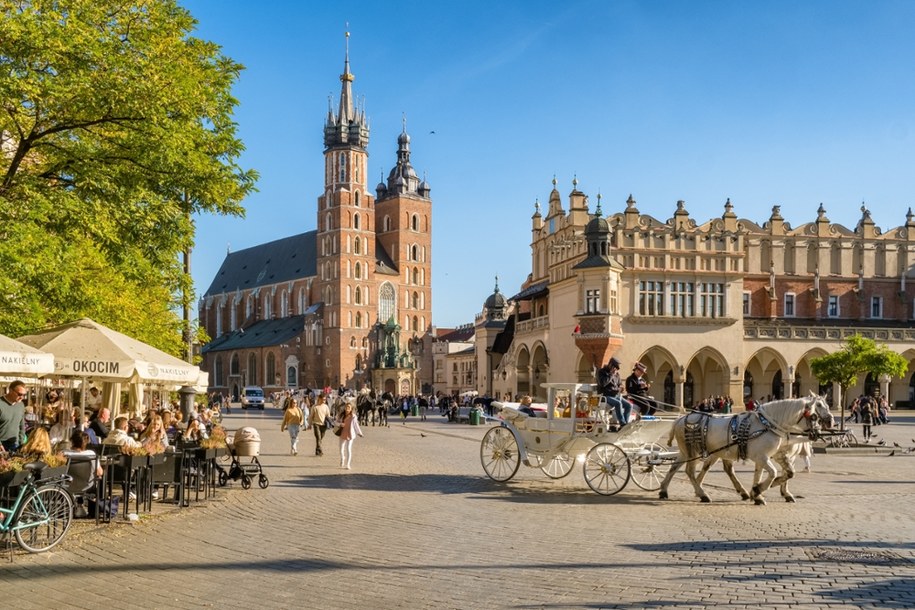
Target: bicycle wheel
(44, 519)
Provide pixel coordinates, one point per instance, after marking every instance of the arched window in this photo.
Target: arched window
(387, 302)
(342, 167)
(356, 196)
(357, 245)
(284, 304)
(415, 300)
(328, 222)
(413, 253)
(218, 380)
(302, 301)
(270, 377)
(233, 365)
(267, 313)
(219, 311)
(415, 324)
(358, 270)
(414, 222)
(233, 316)
(252, 370)
(358, 324)
(356, 221)
(415, 275)
(358, 295)
(249, 307)
(387, 223)
(352, 341)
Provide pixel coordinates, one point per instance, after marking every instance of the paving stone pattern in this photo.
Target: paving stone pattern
(416, 524)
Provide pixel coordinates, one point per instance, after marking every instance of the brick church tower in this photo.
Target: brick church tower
(346, 239)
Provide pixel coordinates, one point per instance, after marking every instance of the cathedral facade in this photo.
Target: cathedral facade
(347, 304)
(725, 307)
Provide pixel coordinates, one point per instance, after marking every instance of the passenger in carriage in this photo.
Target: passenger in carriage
(610, 385)
(526, 406)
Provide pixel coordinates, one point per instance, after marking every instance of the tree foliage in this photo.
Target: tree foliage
(115, 129)
(858, 356)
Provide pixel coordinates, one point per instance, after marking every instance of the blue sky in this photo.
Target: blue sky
(766, 103)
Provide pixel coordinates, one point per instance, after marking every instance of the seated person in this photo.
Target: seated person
(195, 431)
(38, 445)
(526, 406)
(79, 448)
(31, 419)
(118, 435)
(60, 429)
(154, 437)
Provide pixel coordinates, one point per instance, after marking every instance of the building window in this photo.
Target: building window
(358, 295)
(711, 300)
(876, 307)
(682, 296)
(386, 224)
(219, 320)
(414, 222)
(415, 300)
(358, 270)
(342, 167)
(252, 370)
(357, 245)
(301, 301)
(358, 324)
(284, 304)
(832, 308)
(592, 301)
(249, 307)
(233, 317)
(387, 302)
(651, 298)
(267, 312)
(233, 365)
(356, 195)
(270, 374)
(789, 305)
(218, 373)
(746, 303)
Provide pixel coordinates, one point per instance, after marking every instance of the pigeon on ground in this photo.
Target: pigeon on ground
(881, 442)
(897, 445)
(422, 435)
(892, 453)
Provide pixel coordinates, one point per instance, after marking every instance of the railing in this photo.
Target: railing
(787, 331)
(533, 324)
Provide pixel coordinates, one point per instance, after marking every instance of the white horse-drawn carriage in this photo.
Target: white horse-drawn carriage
(576, 427)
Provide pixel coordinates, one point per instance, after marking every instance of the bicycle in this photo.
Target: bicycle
(842, 440)
(40, 515)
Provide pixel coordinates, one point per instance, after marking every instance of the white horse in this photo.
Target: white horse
(756, 435)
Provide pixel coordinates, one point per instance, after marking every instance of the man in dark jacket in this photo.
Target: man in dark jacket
(638, 389)
(101, 424)
(610, 385)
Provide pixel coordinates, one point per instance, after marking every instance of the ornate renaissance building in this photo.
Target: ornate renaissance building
(726, 307)
(349, 303)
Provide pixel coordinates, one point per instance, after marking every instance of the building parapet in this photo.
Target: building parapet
(531, 325)
(779, 330)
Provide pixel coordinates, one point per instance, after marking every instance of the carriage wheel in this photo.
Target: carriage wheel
(558, 467)
(499, 454)
(263, 481)
(606, 469)
(223, 478)
(646, 475)
(246, 482)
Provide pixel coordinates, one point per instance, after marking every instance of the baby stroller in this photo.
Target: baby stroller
(245, 444)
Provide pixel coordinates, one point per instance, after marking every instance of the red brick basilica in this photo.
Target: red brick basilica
(349, 303)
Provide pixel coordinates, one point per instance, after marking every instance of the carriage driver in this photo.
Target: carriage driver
(610, 386)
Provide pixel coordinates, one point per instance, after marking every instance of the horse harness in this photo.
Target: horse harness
(695, 433)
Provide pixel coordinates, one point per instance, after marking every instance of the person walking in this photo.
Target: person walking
(349, 432)
(318, 417)
(293, 418)
(866, 413)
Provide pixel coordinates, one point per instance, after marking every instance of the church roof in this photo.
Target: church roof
(534, 290)
(263, 333)
(383, 262)
(283, 260)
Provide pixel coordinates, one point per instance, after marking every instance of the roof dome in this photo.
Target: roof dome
(495, 301)
(597, 226)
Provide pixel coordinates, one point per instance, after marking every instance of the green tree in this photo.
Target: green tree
(115, 129)
(858, 356)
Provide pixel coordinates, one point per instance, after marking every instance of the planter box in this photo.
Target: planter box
(48, 472)
(157, 459)
(13, 479)
(204, 453)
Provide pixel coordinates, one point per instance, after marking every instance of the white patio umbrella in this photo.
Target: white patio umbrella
(20, 359)
(87, 349)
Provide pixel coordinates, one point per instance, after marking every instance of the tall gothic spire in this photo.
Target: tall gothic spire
(346, 113)
(349, 126)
